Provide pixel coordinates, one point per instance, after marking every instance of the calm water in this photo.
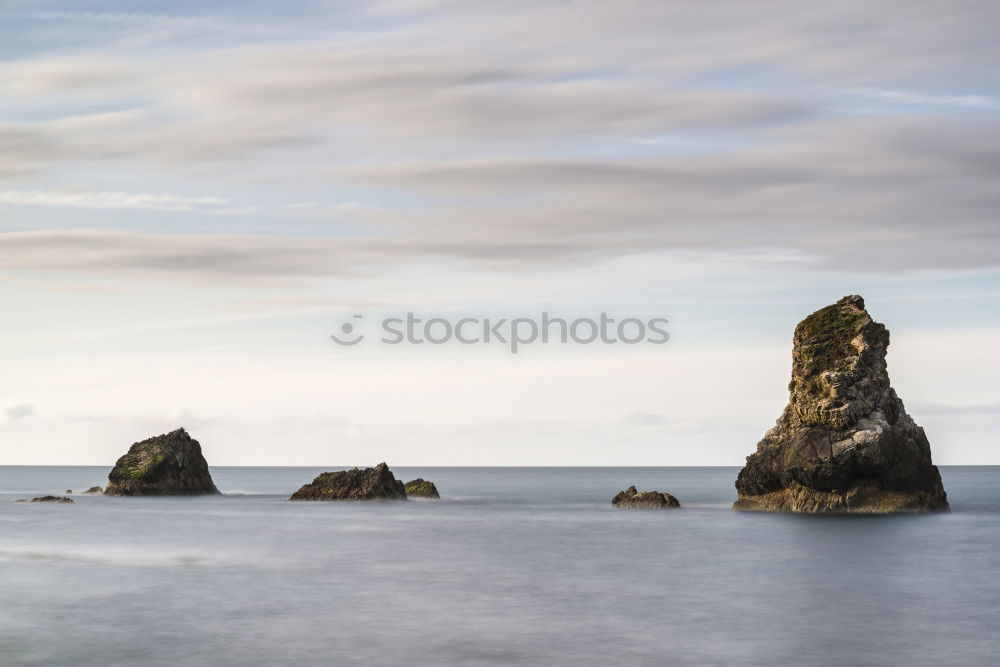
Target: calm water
(515, 566)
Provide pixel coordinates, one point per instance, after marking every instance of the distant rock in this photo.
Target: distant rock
(51, 499)
(95, 491)
(166, 465)
(421, 488)
(844, 442)
(376, 483)
(68, 491)
(632, 499)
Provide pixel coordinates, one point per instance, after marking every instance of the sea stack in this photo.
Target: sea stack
(844, 443)
(376, 483)
(166, 465)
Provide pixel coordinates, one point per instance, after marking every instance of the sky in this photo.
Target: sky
(195, 196)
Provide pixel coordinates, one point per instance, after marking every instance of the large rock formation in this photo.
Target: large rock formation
(632, 499)
(166, 465)
(421, 488)
(376, 483)
(844, 443)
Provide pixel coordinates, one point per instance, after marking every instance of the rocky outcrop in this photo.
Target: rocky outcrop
(166, 465)
(376, 483)
(632, 499)
(844, 443)
(94, 491)
(51, 499)
(421, 488)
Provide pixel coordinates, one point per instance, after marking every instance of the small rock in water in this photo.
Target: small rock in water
(376, 483)
(166, 465)
(421, 488)
(51, 499)
(95, 490)
(632, 499)
(69, 491)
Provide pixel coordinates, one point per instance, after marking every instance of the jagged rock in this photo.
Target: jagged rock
(95, 490)
(376, 483)
(51, 499)
(844, 443)
(421, 488)
(632, 499)
(166, 465)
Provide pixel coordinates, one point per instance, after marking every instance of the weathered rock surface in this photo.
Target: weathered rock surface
(51, 499)
(632, 499)
(844, 443)
(376, 483)
(166, 465)
(95, 490)
(421, 488)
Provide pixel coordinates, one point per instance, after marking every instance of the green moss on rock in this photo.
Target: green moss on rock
(823, 342)
(164, 465)
(630, 498)
(421, 488)
(376, 483)
(844, 443)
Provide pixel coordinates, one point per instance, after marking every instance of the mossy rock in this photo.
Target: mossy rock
(165, 465)
(630, 498)
(844, 443)
(51, 499)
(421, 488)
(822, 342)
(376, 483)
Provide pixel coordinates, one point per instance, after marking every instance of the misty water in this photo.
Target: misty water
(524, 566)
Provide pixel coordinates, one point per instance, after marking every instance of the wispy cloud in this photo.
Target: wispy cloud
(110, 200)
(530, 152)
(941, 409)
(12, 413)
(918, 98)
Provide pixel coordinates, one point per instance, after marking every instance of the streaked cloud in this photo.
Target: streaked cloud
(15, 412)
(934, 409)
(109, 200)
(204, 181)
(918, 98)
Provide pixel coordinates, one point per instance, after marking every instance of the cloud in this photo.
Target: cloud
(12, 413)
(912, 97)
(222, 106)
(643, 418)
(82, 73)
(940, 409)
(871, 194)
(569, 141)
(110, 200)
(231, 257)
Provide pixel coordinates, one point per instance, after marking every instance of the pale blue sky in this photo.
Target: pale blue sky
(194, 195)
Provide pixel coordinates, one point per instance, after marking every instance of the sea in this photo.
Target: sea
(513, 566)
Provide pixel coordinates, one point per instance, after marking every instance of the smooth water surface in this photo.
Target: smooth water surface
(527, 566)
